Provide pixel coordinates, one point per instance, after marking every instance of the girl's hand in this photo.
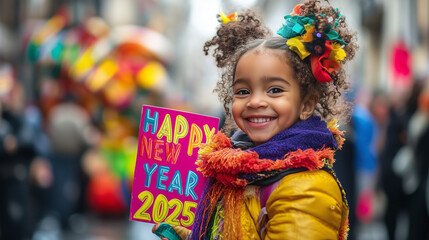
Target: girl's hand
(170, 232)
(154, 229)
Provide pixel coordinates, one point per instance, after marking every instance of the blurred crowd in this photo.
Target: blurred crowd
(58, 166)
(384, 164)
(72, 90)
(68, 139)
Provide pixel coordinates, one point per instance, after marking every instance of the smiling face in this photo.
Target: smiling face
(267, 97)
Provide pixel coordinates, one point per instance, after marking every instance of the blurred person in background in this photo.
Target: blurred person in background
(357, 162)
(422, 157)
(379, 108)
(390, 179)
(411, 162)
(365, 155)
(68, 124)
(21, 146)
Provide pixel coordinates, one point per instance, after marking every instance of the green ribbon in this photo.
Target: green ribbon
(333, 35)
(295, 26)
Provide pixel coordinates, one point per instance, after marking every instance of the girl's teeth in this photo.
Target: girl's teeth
(259, 120)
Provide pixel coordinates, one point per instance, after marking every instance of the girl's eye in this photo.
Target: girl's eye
(275, 90)
(242, 92)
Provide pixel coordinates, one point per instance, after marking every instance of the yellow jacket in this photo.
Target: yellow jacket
(305, 205)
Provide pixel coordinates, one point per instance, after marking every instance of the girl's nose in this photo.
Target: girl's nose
(256, 101)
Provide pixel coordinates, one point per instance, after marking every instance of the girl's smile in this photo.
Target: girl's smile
(260, 122)
(260, 119)
(267, 98)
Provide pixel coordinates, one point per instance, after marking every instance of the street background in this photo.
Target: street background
(74, 75)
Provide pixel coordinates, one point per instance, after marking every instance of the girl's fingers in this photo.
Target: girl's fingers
(155, 227)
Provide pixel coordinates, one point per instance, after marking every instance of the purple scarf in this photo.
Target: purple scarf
(310, 133)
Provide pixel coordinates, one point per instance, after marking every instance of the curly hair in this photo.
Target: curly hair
(234, 39)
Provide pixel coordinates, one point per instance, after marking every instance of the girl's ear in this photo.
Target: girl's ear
(307, 106)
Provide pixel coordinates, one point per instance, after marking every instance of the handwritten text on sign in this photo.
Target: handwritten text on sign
(166, 184)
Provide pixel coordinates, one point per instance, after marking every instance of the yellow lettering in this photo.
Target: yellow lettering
(209, 133)
(165, 129)
(181, 128)
(195, 138)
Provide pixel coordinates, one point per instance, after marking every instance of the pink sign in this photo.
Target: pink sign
(166, 185)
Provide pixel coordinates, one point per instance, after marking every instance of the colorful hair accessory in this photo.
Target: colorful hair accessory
(296, 10)
(226, 19)
(324, 48)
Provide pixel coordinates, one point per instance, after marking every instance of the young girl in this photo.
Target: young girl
(274, 179)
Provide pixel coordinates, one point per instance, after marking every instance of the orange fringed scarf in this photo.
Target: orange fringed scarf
(228, 168)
